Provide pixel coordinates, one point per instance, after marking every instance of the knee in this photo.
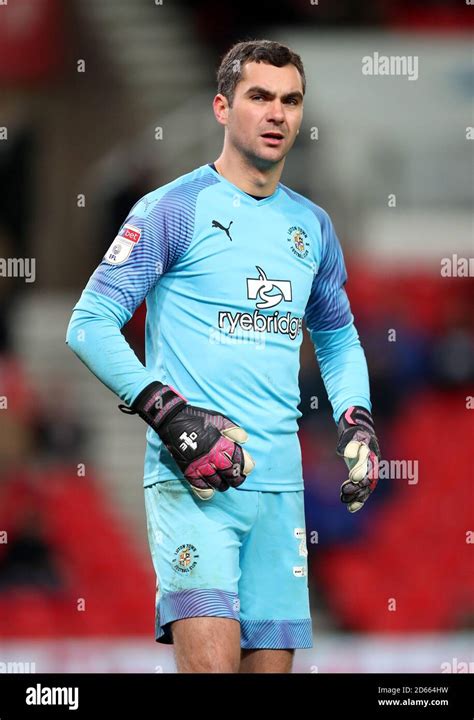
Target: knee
(210, 665)
(207, 660)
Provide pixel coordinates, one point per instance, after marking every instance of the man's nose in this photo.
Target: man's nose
(276, 111)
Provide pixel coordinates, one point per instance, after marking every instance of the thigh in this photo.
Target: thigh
(207, 645)
(273, 587)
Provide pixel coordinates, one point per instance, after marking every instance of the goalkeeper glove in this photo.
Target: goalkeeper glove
(204, 444)
(358, 445)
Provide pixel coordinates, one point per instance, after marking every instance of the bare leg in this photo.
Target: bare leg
(207, 645)
(266, 661)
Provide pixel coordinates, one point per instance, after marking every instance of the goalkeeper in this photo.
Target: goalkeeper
(231, 261)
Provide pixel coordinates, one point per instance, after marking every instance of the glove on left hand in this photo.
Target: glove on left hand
(358, 445)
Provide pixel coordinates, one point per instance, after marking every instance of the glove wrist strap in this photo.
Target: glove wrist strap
(356, 415)
(356, 423)
(156, 404)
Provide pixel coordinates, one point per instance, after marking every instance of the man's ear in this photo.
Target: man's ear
(221, 108)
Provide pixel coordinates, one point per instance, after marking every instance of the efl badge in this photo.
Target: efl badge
(123, 245)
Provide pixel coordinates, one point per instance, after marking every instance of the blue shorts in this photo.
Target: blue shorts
(241, 555)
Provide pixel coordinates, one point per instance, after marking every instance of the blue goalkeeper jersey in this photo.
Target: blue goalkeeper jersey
(228, 279)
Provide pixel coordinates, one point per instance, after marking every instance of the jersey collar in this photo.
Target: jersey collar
(249, 198)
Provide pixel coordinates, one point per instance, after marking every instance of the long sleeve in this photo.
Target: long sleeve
(343, 368)
(94, 336)
(331, 327)
(147, 244)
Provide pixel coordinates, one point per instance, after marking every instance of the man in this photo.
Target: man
(230, 262)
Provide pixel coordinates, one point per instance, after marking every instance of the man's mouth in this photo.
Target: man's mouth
(274, 138)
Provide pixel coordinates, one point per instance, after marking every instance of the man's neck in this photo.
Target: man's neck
(247, 177)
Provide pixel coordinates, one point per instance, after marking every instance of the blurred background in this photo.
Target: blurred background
(101, 102)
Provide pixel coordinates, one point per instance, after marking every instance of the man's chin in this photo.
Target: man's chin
(266, 159)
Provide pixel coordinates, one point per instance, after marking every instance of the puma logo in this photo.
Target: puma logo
(216, 224)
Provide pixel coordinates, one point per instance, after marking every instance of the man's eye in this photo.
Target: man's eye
(254, 97)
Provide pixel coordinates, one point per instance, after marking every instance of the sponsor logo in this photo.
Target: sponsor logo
(300, 534)
(188, 441)
(299, 571)
(216, 224)
(122, 246)
(257, 322)
(129, 232)
(269, 294)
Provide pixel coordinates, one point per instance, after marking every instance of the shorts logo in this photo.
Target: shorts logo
(299, 571)
(123, 245)
(300, 533)
(298, 240)
(185, 558)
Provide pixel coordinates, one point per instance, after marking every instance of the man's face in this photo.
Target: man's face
(268, 100)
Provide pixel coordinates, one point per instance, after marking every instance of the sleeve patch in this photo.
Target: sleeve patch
(122, 245)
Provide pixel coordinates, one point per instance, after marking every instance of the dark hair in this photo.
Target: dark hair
(267, 51)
